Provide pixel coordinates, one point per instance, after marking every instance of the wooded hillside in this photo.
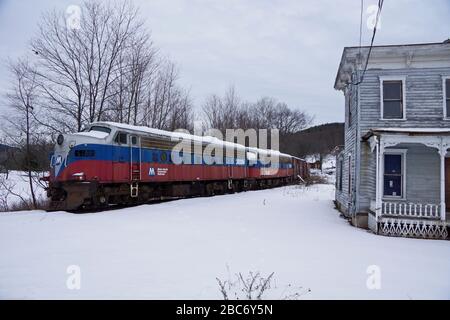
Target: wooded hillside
(317, 140)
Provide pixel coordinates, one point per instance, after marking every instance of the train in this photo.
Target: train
(110, 163)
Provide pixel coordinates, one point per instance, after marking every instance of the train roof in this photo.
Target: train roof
(183, 135)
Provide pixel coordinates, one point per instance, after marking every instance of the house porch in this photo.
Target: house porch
(412, 183)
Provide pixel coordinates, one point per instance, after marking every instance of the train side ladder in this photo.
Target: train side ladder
(135, 167)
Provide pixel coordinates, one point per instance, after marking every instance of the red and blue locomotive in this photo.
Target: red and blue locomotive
(112, 163)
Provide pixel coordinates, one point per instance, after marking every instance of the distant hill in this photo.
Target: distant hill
(4, 147)
(321, 139)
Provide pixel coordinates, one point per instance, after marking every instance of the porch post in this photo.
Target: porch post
(379, 176)
(442, 153)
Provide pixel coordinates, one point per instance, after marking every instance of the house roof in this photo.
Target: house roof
(354, 58)
(409, 131)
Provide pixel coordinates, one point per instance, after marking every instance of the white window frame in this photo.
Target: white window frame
(444, 97)
(393, 78)
(403, 153)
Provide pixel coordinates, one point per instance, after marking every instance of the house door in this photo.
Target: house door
(447, 183)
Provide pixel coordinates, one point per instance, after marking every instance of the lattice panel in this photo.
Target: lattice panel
(412, 228)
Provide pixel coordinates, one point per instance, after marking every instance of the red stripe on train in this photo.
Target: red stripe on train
(117, 172)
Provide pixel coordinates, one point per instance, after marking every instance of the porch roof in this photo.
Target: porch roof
(408, 131)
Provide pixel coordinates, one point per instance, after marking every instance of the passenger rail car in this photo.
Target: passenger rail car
(111, 163)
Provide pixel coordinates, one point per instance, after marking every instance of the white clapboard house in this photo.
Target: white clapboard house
(393, 176)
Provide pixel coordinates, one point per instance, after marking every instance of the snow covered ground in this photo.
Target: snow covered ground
(177, 249)
(15, 188)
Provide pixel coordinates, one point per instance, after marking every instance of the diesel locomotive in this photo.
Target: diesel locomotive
(118, 164)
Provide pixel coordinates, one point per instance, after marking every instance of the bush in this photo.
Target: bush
(41, 204)
(316, 179)
(255, 286)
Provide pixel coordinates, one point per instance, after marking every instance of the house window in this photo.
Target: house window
(394, 174)
(339, 175)
(447, 98)
(349, 112)
(349, 108)
(393, 96)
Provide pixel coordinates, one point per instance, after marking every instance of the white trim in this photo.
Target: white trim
(444, 97)
(403, 153)
(442, 154)
(393, 78)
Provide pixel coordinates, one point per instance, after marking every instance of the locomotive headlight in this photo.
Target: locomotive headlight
(60, 139)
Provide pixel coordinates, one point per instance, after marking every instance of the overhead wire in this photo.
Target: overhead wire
(377, 19)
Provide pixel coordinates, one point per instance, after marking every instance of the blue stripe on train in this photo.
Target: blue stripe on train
(122, 154)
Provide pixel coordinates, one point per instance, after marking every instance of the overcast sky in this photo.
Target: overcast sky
(288, 49)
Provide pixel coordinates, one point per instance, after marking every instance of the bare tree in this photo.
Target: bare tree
(167, 105)
(266, 113)
(212, 110)
(223, 112)
(136, 68)
(22, 124)
(289, 121)
(80, 69)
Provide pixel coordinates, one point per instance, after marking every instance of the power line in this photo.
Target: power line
(360, 25)
(380, 7)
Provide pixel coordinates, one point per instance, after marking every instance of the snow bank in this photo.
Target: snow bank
(175, 250)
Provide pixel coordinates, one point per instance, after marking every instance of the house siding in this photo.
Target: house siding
(346, 197)
(424, 99)
(424, 109)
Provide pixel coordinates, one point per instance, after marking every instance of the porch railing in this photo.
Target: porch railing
(413, 210)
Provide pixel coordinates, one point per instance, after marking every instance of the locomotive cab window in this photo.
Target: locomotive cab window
(100, 129)
(121, 138)
(134, 140)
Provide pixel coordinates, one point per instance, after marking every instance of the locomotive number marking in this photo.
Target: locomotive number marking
(162, 171)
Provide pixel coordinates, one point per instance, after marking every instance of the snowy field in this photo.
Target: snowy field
(177, 249)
